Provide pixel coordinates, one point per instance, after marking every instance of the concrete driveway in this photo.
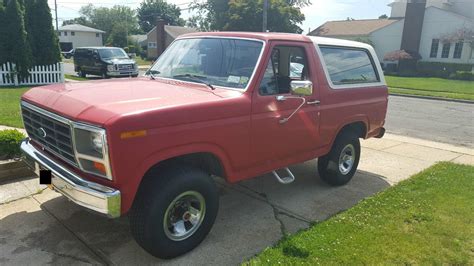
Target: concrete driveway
(37, 228)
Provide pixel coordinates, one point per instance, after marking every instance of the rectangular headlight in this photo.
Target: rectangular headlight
(91, 150)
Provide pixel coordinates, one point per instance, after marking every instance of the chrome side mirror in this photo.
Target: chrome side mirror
(301, 87)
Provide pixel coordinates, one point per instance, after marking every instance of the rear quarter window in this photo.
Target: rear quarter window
(349, 66)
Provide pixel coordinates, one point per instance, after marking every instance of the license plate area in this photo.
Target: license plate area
(45, 177)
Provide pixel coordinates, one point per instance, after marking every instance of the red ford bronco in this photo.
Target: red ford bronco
(231, 105)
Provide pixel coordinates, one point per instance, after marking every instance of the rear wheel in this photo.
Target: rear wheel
(174, 211)
(339, 166)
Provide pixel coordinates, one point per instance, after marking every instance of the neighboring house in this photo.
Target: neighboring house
(166, 34)
(76, 35)
(140, 39)
(438, 30)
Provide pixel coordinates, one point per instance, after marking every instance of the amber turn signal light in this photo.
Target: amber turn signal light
(132, 134)
(100, 167)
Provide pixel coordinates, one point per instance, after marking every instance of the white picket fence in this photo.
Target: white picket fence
(39, 75)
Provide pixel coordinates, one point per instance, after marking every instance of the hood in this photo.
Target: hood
(97, 102)
(119, 61)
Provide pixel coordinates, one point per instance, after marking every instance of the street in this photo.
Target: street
(441, 121)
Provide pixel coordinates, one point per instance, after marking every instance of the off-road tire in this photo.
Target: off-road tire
(158, 189)
(328, 165)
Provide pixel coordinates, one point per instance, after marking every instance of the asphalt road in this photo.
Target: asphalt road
(442, 121)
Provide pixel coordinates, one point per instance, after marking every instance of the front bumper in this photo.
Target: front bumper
(93, 196)
(122, 73)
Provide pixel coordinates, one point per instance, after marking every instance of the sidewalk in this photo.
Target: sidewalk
(254, 214)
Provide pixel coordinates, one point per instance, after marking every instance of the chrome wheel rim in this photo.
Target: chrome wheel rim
(184, 215)
(346, 159)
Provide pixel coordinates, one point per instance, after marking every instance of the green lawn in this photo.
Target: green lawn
(426, 220)
(10, 106)
(436, 87)
(142, 62)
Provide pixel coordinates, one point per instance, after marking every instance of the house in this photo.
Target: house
(140, 40)
(166, 34)
(435, 30)
(76, 35)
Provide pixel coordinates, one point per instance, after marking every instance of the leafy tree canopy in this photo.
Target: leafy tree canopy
(118, 35)
(41, 36)
(150, 10)
(105, 18)
(16, 46)
(246, 15)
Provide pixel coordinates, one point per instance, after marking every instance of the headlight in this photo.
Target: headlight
(91, 150)
(110, 67)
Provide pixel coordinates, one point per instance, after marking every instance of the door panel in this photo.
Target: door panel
(272, 140)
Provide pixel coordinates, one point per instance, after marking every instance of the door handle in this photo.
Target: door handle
(313, 102)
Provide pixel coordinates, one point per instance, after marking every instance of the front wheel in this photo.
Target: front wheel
(339, 166)
(174, 211)
(81, 73)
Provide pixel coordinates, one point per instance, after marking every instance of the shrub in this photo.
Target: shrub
(441, 70)
(462, 75)
(10, 140)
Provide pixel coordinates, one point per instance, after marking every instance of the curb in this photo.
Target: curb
(11, 170)
(432, 98)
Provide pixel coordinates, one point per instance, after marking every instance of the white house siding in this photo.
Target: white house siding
(387, 39)
(438, 23)
(81, 39)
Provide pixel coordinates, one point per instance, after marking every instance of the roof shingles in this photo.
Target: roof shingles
(351, 27)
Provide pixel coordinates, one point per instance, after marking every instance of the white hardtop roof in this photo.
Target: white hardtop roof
(338, 42)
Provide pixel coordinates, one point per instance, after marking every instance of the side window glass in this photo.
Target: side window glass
(349, 66)
(287, 63)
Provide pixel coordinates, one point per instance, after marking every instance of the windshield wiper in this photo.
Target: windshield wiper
(152, 73)
(195, 78)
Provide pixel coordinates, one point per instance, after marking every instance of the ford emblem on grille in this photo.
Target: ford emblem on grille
(41, 132)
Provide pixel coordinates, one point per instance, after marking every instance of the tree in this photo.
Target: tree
(246, 15)
(41, 37)
(384, 16)
(105, 18)
(118, 35)
(3, 51)
(149, 10)
(16, 45)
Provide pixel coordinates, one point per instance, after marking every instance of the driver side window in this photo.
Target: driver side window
(287, 63)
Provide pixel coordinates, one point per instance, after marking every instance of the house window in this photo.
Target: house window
(65, 33)
(73, 33)
(445, 51)
(97, 35)
(151, 44)
(458, 49)
(434, 48)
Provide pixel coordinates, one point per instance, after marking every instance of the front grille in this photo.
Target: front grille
(54, 135)
(125, 67)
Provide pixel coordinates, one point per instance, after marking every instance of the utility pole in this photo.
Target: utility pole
(56, 12)
(265, 10)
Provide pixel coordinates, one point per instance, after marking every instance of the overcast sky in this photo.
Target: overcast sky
(316, 14)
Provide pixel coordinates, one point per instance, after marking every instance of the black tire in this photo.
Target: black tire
(329, 165)
(134, 76)
(104, 75)
(81, 73)
(157, 191)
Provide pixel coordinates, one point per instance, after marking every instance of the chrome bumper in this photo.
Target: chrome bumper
(90, 195)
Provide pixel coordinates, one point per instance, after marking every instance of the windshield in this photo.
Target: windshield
(112, 53)
(215, 61)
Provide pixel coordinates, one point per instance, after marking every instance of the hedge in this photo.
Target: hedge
(441, 70)
(10, 140)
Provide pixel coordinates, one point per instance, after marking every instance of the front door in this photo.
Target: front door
(272, 139)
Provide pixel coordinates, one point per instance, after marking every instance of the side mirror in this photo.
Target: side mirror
(301, 87)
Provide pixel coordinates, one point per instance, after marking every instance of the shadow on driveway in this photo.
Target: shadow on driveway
(253, 215)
